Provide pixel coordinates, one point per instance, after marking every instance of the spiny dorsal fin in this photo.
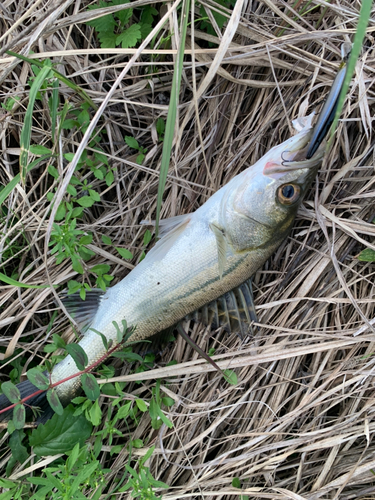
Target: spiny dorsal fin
(235, 311)
(222, 245)
(83, 311)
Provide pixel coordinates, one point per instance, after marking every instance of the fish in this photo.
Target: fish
(201, 268)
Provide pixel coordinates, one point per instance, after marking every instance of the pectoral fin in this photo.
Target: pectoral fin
(170, 229)
(235, 311)
(222, 246)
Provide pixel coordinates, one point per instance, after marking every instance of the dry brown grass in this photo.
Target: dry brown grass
(300, 423)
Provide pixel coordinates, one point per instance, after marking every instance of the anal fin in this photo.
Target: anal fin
(234, 311)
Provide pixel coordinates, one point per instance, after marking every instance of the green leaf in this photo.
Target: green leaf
(128, 356)
(85, 240)
(236, 483)
(98, 173)
(68, 156)
(163, 418)
(68, 125)
(230, 377)
(40, 150)
(367, 255)
(61, 211)
(106, 240)
(109, 178)
(19, 451)
(147, 455)
(94, 195)
(86, 472)
(137, 443)
(71, 190)
(103, 337)
(140, 159)
(38, 378)
(123, 15)
(19, 416)
(76, 264)
(104, 23)
(54, 481)
(129, 37)
(141, 404)
(160, 128)
(5, 483)
(145, 30)
(90, 386)
(100, 269)
(78, 354)
(85, 201)
(131, 142)
(54, 402)
(61, 433)
(107, 39)
(83, 117)
(125, 254)
(148, 13)
(11, 392)
(153, 409)
(100, 156)
(95, 413)
(77, 212)
(147, 237)
(124, 411)
(60, 343)
(167, 401)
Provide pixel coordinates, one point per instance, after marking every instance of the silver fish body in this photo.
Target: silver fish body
(203, 255)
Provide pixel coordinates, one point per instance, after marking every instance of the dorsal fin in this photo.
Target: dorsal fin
(83, 311)
(235, 311)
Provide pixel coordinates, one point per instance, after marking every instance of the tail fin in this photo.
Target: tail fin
(26, 388)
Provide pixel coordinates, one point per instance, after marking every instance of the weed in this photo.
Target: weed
(141, 482)
(119, 29)
(133, 143)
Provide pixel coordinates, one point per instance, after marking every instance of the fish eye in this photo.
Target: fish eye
(288, 194)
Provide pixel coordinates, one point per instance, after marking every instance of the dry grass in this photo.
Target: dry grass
(300, 423)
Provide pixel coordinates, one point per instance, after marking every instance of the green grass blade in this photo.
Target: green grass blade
(54, 107)
(59, 76)
(172, 113)
(26, 129)
(364, 17)
(11, 281)
(5, 192)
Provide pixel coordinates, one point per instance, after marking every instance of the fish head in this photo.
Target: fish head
(260, 206)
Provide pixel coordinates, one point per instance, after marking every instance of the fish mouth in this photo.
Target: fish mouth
(291, 161)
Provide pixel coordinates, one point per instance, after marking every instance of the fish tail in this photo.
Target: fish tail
(39, 401)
